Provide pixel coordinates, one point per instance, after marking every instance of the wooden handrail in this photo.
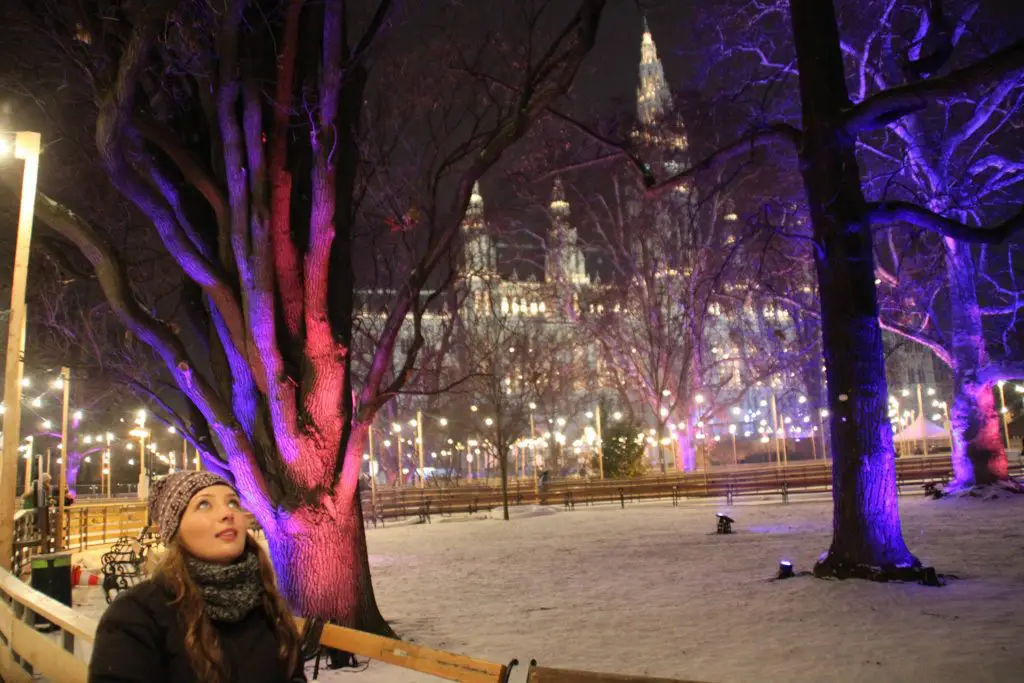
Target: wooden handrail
(27, 651)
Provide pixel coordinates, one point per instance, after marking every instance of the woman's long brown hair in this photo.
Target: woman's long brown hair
(201, 640)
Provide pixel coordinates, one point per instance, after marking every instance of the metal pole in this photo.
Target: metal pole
(735, 458)
(775, 429)
(1005, 414)
(419, 446)
(398, 452)
(533, 454)
(26, 146)
(141, 489)
(924, 423)
(65, 373)
(600, 442)
(373, 478)
(821, 427)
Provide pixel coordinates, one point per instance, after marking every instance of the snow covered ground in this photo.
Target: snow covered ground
(651, 590)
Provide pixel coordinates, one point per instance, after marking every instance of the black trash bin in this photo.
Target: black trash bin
(51, 575)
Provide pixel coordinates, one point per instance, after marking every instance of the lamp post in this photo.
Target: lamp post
(141, 433)
(419, 446)
(732, 433)
(924, 421)
(26, 147)
(1005, 412)
(600, 441)
(65, 374)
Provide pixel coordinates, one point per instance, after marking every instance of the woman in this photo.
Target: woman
(211, 613)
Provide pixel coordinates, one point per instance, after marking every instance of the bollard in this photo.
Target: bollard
(728, 495)
(785, 492)
(675, 495)
(622, 498)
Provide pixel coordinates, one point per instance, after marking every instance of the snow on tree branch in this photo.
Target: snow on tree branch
(892, 211)
(882, 109)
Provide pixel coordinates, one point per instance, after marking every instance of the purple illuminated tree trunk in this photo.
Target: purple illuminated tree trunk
(867, 537)
(979, 458)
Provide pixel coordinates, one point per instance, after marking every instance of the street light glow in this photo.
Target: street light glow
(37, 402)
(78, 415)
(443, 421)
(699, 398)
(488, 422)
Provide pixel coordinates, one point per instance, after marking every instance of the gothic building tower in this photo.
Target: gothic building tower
(480, 253)
(653, 98)
(564, 261)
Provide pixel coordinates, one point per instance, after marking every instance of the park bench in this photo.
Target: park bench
(124, 565)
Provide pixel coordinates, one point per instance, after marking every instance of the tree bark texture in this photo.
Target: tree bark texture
(979, 456)
(276, 413)
(867, 536)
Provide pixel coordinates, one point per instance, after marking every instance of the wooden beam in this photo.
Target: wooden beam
(544, 675)
(446, 665)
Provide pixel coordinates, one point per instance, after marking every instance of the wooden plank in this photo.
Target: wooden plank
(446, 665)
(46, 655)
(545, 675)
(57, 612)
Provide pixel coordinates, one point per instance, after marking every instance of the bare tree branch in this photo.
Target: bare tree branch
(891, 211)
(882, 109)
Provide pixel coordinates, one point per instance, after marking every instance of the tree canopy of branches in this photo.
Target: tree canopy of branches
(238, 131)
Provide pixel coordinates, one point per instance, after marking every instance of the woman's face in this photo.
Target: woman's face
(213, 527)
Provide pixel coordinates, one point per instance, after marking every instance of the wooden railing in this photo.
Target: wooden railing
(26, 655)
(725, 482)
(90, 525)
(86, 526)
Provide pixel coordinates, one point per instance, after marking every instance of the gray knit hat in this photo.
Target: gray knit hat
(169, 496)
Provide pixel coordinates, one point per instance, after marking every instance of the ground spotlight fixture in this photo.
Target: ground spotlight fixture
(724, 523)
(785, 570)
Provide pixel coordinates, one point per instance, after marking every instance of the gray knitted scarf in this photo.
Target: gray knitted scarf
(230, 591)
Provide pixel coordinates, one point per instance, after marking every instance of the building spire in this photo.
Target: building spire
(558, 203)
(652, 95)
(475, 210)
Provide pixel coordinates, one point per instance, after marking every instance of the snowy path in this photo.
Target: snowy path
(648, 590)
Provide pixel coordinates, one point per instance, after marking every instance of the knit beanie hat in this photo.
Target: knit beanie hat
(169, 496)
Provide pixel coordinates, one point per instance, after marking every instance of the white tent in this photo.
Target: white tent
(913, 431)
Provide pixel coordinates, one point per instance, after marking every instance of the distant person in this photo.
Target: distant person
(30, 500)
(211, 613)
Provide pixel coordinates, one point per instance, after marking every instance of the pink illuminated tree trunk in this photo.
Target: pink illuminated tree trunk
(322, 567)
(252, 177)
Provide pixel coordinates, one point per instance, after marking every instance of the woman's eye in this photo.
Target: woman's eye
(235, 504)
(202, 505)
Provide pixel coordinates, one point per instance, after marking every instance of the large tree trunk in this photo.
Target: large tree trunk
(867, 538)
(979, 458)
(322, 567)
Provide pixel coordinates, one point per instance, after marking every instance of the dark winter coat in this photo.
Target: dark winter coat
(140, 640)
